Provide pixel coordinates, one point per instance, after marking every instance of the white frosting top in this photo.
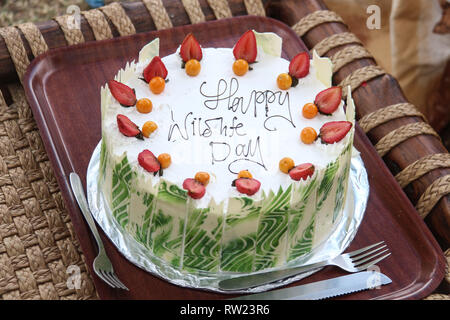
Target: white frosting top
(222, 123)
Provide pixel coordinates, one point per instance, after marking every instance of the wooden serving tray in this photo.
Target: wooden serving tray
(63, 88)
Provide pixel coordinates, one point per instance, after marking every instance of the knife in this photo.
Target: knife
(324, 289)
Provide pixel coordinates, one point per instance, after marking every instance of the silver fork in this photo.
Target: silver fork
(102, 265)
(354, 261)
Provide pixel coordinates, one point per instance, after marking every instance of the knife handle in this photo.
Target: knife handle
(258, 279)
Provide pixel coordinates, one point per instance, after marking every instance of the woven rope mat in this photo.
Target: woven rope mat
(40, 257)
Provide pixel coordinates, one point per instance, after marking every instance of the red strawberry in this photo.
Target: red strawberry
(246, 48)
(328, 100)
(123, 93)
(302, 171)
(148, 161)
(128, 128)
(155, 68)
(334, 131)
(190, 49)
(195, 189)
(299, 66)
(248, 186)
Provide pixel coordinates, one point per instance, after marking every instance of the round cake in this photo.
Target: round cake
(226, 159)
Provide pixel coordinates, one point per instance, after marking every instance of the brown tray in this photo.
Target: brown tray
(63, 88)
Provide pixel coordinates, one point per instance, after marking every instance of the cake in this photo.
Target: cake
(226, 159)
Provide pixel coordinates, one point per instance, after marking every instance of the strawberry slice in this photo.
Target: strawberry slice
(246, 48)
(299, 66)
(148, 161)
(334, 131)
(190, 49)
(195, 189)
(248, 186)
(328, 100)
(155, 68)
(128, 127)
(123, 93)
(302, 171)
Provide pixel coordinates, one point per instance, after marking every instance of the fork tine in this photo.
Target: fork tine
(359, 257)
(359, 262)
(121, 285)
(116, 280)
(112, 279)
(353, 253)
(102, 276)
(371, 263)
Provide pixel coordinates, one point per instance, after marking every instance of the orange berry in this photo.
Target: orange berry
(192, 67)
(284, 81)
(202, 177)
(144, 105)
(309, 110)
(157, 85)
(308, 135)
(164, 160)
(244, 174)
(286, 164)
(240, 67)
(148, 128)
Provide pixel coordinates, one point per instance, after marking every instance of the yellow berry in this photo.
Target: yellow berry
(144, 105)
(284, 81)
(286, 164)
(240, 67)
(164, 160)
(202, 177)
(148, 128)
(309, 110)
(157, 85)
(192, 67)
(244, 174)
(308, 135)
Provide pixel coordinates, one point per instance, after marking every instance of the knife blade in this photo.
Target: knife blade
(324, 289)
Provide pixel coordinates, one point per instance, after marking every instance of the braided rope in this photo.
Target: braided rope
(359, 76)
(401, 134)
(380, 116)
(435, 191)
(159, 14)
(119, 18)
(438, 296)
(334, 41)
(34, 38)
(220, 8)
(347, 55)
(16, 49)
(422, 166)
(194, 11)
(37, 242)
(72, 34)
(314, 19)
(98, 24)
(255, 8)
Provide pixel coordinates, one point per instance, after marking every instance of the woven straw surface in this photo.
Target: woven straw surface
(40, 256)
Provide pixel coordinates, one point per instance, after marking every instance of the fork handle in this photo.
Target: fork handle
(77, 189)
(253, 280)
